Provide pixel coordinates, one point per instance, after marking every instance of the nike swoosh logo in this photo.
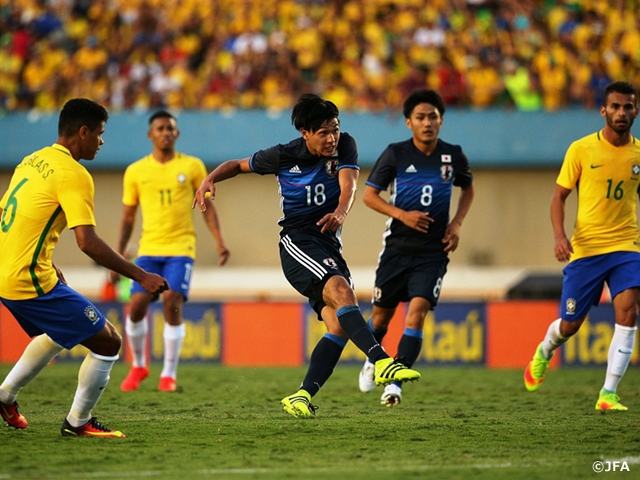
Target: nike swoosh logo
(596, 166)
(6, 414)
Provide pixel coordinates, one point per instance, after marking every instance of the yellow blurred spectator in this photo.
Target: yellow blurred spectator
(264, 53)
(553, 83)
(91, 56)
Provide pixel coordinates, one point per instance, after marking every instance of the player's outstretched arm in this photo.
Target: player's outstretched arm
(126, 228)
(95, 248)
(211, 219)
(563, 248)
(222, 172)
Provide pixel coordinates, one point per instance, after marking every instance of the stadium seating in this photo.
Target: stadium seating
(365, 55)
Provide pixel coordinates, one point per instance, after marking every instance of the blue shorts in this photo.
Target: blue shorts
(177, 271)
(584, 280)
(63, 314)
(400, 277)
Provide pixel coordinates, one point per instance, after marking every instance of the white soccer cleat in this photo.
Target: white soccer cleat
(392, 395)
(366, 380)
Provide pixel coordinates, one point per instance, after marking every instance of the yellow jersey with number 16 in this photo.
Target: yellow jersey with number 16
(607, 179)
(49, 191)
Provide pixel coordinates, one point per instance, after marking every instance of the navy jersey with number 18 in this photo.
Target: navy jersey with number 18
(309, 186)
(424, 183)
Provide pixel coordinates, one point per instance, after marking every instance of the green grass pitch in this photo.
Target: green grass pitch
(456, 423)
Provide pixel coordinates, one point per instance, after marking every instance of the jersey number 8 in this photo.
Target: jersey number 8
(427, 195)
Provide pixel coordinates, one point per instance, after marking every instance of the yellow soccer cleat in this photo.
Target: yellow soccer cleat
(299, 404)
(534, 373)
(609, 401)
(389, 370)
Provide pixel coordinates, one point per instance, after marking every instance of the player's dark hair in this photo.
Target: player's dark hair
(80, 112)
(311, 111)
(160, 114)
(620, 87)
(423, 96)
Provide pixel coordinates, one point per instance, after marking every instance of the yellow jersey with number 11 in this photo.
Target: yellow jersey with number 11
(165, 193)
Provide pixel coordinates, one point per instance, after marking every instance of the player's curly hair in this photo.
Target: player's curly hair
(620, 87)
(423, 96)
(79, 112)
(311, 111)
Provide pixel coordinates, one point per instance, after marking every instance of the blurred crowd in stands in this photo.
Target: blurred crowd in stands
(365, 55)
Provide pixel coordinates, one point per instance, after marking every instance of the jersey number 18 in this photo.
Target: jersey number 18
(318, 196)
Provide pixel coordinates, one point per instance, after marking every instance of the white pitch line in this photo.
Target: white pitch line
(309, 471)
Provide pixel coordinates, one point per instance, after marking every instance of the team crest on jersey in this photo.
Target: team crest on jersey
(182, 178)
(571, 306)
(635, 170)
(445, 158)
(330, 262)
(92, 314)
(332, 167)
(446, 171)
(377, 293)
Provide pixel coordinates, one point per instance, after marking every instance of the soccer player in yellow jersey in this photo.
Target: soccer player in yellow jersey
(163, 184)
(604, 168)
(51, 190)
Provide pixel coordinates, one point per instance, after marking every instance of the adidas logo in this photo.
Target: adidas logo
(295, 169)
(411, 169)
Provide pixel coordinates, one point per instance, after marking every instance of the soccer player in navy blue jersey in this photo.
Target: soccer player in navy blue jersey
(421, 173)
(317, 174)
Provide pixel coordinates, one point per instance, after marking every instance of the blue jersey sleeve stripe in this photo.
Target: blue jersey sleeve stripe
(371, 184)
(349, 165)
(251, 162)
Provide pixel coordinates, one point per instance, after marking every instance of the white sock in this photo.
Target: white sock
(553, 339)
(137, 340)
(619, 355)
(40, 351)
(92, 379)
(173, 337)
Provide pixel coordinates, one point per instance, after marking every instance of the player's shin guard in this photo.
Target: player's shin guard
(92, 380)
(410, 346)
(553, 339)
(378, 333)
(322, 362)
(355, 327)
(173, 338)
(137, 340)
(40, 351)
(619, 355)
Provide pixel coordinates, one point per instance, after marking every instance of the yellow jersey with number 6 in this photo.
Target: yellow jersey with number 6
(606, 178)
(165, 193)
(49, 191)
